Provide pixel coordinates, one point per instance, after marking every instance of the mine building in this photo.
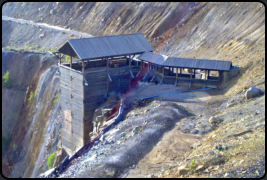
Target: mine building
(99, 65)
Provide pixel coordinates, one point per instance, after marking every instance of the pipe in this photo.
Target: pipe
(176, 93)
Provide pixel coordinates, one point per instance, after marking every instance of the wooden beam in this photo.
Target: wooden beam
(191, 75)
(130, 62)
(83, 68)
(153, 78)
(71, 62)
(83, 108)
(176, 73)
(163, 71)
(107, 73)
(131, 74)
(109, 78)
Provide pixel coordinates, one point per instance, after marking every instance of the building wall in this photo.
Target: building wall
(71, 101)
(228, 75)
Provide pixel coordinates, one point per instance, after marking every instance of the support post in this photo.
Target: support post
(83, 97)
(71, 62)
(191, 74)
(176, 73)
(107, 74)
(130, 63)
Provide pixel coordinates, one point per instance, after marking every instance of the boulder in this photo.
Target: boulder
(53, 11)
(194, 131)
(41, 36)
(182, 170)
(252, 92)
(214, 120)
(136, 129)
(60, 155)
(200, 168)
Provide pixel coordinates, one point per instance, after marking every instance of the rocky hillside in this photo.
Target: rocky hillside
(233, 31)
(29, 113)
(223, 31)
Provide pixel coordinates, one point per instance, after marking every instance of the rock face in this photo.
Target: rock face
(60, 155)
(252, 92)
(30, 65)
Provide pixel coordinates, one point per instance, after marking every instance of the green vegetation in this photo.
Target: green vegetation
(33, 95)
(5, 140)
(15, 147)
(29, 47)
(67, 58)
(192, 164)
(7, 82)
(56, 99)
(51, 160)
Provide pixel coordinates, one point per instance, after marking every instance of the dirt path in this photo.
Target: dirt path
(46, 26)
(170, 149)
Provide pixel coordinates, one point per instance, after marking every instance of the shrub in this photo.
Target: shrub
(15, 147)
(51, 160)
(56, 99)
(67, 58)
(7, 82)
(33, 95)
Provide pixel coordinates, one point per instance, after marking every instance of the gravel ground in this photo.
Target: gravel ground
(128, 142)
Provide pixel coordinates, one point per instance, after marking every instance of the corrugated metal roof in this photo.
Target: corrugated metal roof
(106, 46)
(186, 62)
(153, 58)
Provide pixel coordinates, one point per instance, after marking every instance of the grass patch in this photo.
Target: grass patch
(192, 164)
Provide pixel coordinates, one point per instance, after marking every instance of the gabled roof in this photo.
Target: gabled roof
(217, 65)
(106, 46)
